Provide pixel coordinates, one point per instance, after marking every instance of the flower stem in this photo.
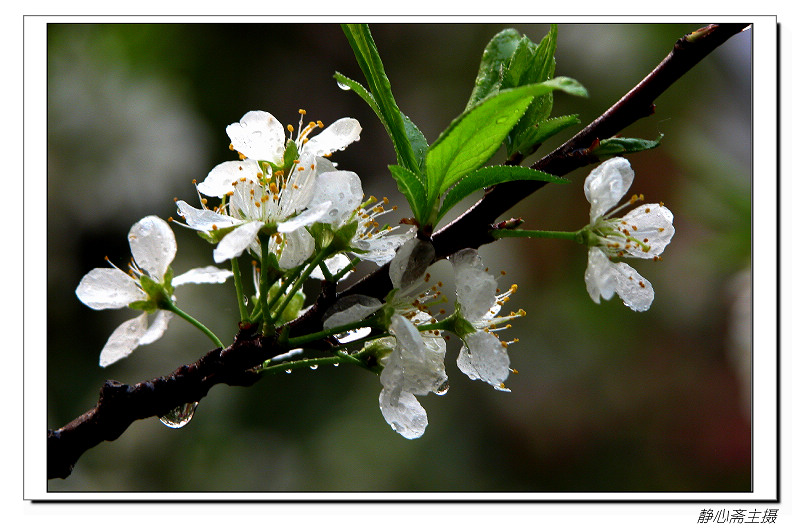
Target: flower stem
(560, 235)
(339, 357)
(297, 284)
(322, 334)
(237, 281)
(169, 305)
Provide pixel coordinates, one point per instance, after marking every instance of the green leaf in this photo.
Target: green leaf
(490, 176)
(360, 39)
(413, 188)
(539, 132)
(419, 145)
(473, 137)
(495, 58)
(621, 145)
(536, 66)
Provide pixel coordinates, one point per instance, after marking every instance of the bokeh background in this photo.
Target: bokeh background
(605, 400)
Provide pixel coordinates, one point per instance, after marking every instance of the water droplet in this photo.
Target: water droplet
(180, 416)
(353, 335)
(335, 364)
(443, 388)
(342, 85)
(314, 367)
(288, 371)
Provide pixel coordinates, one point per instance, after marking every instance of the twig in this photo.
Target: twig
(120, 405)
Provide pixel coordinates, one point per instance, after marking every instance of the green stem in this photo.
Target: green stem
(560, 235)
(237, 281)
(297, 284)
(343, 272)
(169, 305)
(340, 357)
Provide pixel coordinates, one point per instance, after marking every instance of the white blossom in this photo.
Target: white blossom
(643, 232)
(483, 355)
(264, 190)
(153, 248)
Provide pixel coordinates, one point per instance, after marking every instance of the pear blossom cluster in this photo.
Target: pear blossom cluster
(291, 211)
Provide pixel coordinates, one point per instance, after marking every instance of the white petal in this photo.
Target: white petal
(123, 340)
(410, 263)
(598, 276)
(634, 290)
(351, 309)
(202, 219)
(422, 368)
(258, 135)
(153, 245)
(203, 275)
(157, 328)
(235, 242)
(336, 136)
(220, 179)
(475, 288)
(300, 187)
(298, 248)
(305, 218)
(342, 189)
(106, 288)
(404, 414)
(606, 184)
(483, 357)
(381, 249)
(653, 223)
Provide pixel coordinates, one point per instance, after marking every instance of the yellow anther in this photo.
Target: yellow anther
(273, 188)
(301, 111)
(300, 168)
(290, 128)
(514, 288)
(319, 124)
(214, 227)
(230, 146)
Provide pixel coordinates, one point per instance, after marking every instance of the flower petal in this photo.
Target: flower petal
(342, 189)
(422, 368)
(203, 219)
(106, 288)
(651, 224)
(153, 245)
(634, 290)
(235, 242)
(305, 218)
(403, 413)
(336, 136)
(157, 328)
(351, 309)
(123, 340)
(220, 179)
(258, 135)
(298, 248)
(599, 277)
(606, 184)
(475, 288)
(203, 275)
(382, 249)
(410, 263)
(483, 357)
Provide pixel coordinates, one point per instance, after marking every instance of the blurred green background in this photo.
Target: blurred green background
(605, 400)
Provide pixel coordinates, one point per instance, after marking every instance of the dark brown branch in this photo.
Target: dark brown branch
(120, 405)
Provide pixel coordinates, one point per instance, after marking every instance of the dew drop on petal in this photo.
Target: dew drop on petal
(353, 335)
(314, 367)
(443, 388)
(180, 416)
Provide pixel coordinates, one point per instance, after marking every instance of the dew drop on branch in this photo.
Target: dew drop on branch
(180, 416)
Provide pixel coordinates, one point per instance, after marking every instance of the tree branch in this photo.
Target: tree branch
(119, 404)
